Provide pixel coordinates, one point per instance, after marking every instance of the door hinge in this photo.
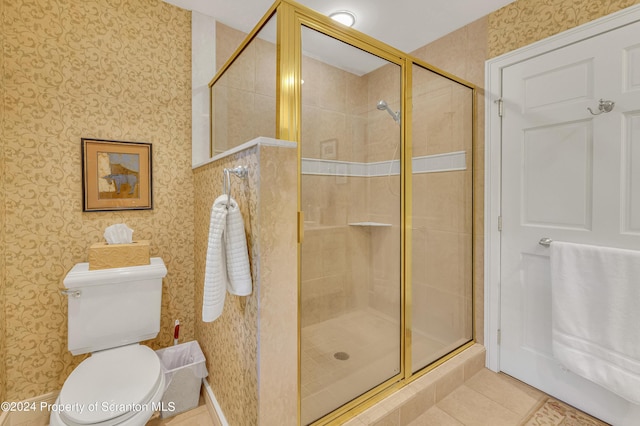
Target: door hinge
(499, 336)
(499, 223)
(500, 107)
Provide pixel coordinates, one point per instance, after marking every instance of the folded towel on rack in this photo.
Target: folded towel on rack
(595, 316)
(215, 274)
(238, 269)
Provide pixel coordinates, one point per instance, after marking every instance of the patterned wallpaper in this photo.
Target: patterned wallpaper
(526, 21)
(117, 69)
(3, 375)
(251, 349)
(230, 343)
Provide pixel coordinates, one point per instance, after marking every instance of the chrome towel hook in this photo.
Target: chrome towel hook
(240, 171)
(603, 106)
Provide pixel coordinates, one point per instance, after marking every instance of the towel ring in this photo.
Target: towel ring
(240, 171)
(226, 185)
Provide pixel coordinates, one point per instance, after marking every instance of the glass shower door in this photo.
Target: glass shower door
(351, 252)
(441, 217)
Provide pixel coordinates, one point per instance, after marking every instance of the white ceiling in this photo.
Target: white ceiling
(403, 24)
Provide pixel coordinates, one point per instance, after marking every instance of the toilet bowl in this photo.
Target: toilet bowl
(121, 386)
(109, 312)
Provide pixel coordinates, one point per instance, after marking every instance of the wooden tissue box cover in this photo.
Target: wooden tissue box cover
(104, 256)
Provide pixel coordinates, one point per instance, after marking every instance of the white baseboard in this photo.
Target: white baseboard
(212, 405)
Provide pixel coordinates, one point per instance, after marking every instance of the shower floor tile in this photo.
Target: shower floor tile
(343, 357)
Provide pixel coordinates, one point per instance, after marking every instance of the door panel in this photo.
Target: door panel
(570, 176)
(556, 171)
(631, 174)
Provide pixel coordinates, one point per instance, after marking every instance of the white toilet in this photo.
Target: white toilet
(110, 312)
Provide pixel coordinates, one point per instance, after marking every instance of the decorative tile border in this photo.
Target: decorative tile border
(447, 162)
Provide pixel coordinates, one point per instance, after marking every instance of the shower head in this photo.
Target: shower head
(382, 105)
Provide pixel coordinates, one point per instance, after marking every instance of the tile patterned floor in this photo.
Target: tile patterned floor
(487, 399)
(490, 399)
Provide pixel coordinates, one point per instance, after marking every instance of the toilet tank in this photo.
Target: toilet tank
(113, 307)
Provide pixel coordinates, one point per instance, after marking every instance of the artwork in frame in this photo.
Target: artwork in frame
(116, 175)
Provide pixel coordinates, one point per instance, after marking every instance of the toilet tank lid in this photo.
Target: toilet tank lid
(81, 276)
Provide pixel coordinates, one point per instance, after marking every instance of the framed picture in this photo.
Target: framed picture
(116, 175)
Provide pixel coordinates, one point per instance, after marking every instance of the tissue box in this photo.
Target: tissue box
(103, 255)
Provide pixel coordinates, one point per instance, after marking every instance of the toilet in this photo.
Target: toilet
(110, 312)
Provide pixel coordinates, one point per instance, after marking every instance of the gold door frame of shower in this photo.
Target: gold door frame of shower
(291, 17)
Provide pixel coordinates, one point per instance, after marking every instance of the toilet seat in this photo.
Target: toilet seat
(111, 387)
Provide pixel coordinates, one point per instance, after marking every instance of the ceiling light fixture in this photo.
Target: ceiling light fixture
(344, 17)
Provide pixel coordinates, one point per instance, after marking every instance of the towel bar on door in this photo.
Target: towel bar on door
(545, 241)
(240, 171)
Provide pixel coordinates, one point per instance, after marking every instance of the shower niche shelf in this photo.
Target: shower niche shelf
(370, 224)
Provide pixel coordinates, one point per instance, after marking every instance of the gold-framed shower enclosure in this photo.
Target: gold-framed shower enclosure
(291, 18)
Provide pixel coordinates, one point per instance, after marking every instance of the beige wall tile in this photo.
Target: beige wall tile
(265, 69)
(390, 419)
(449, 381)
(278, 258)
(470, 43)
(421, 401)
(475, 363)
(227, 41)
(435, 416)
(245, 96)
(264, 116)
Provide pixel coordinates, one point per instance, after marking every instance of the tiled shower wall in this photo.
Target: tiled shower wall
(339, 108)
(245, 96)
(462, 53)
(442, 210)
(349, 267)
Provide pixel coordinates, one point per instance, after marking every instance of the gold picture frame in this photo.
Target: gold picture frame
(116, 175)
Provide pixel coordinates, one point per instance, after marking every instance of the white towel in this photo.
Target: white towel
(595, 315)
(238, 269)
(215, 273)
(227, 266)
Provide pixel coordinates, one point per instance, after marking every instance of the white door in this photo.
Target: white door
(570, 176)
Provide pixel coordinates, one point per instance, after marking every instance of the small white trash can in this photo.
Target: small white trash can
(184, 368)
